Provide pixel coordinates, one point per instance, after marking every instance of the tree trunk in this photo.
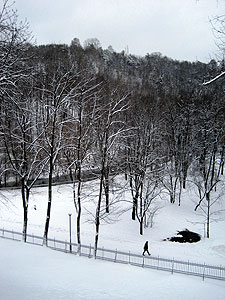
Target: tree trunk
(134, 208)
(173, 187)
(208, 213)
(25, 197)
(134, 200)
(25, 221)
(79, 207)
(180, 191)
(185, 170)
(74, 195)
(74, 187)
(97, 217)
(49, 202)
(106, 188)
(141, 226)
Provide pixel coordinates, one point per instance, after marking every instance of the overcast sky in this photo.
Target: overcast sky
(179, 29)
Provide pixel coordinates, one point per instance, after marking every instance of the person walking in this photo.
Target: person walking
(146, 248)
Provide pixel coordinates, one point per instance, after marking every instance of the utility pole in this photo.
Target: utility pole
(70, 232)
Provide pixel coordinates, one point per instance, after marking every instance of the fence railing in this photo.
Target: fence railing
(152, 262)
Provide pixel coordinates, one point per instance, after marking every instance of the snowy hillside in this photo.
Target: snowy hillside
(120, 232)
(33, 272)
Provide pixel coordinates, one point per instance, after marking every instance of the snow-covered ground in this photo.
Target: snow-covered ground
(34, 272)
(31, 272)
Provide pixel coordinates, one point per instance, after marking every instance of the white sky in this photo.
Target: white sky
(179, 29)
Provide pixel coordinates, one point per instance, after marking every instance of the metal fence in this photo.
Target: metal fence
(152, 262)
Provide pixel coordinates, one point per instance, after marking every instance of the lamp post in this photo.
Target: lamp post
(70, 232)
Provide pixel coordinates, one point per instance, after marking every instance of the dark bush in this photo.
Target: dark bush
(185, 236)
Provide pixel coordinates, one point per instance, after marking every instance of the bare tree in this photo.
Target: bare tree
(94, 42)
(210, 177)
(218, 26)
(54, 96)
(21, 145)
(16, 115)
(109, 129)
(211, 135)
(14, 38)
(14, 42)
(209, 151)
(144, 157)
(79, 138)
(179, 141)
(150, 190)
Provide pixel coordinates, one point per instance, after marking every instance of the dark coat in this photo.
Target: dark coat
(146, 246)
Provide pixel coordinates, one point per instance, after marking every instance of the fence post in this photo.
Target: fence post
(65, 246)
(203, 274)
(115, 255)
(143, 262)
(89, 251)
(3, 232)
(70, 232)
(79, 248)
(172, 265)
(102, 252)
(13, 234)
(158, 263)
(129, 257)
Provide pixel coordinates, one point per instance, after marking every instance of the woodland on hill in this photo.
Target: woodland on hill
(68, 109)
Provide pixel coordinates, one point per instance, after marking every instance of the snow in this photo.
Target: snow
(35, 272)
(214, 79)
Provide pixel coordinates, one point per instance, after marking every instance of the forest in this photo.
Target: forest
(79, 112)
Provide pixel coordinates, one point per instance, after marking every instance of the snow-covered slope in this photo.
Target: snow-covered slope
(31, 272)
(120, 232)
(34, 272)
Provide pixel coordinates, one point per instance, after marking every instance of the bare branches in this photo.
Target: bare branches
(218, 26)
(214, 79)
(14, 39)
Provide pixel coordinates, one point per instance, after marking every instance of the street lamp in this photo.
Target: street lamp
(70, 232)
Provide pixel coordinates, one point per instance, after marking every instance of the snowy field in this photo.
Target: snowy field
(34, 272)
